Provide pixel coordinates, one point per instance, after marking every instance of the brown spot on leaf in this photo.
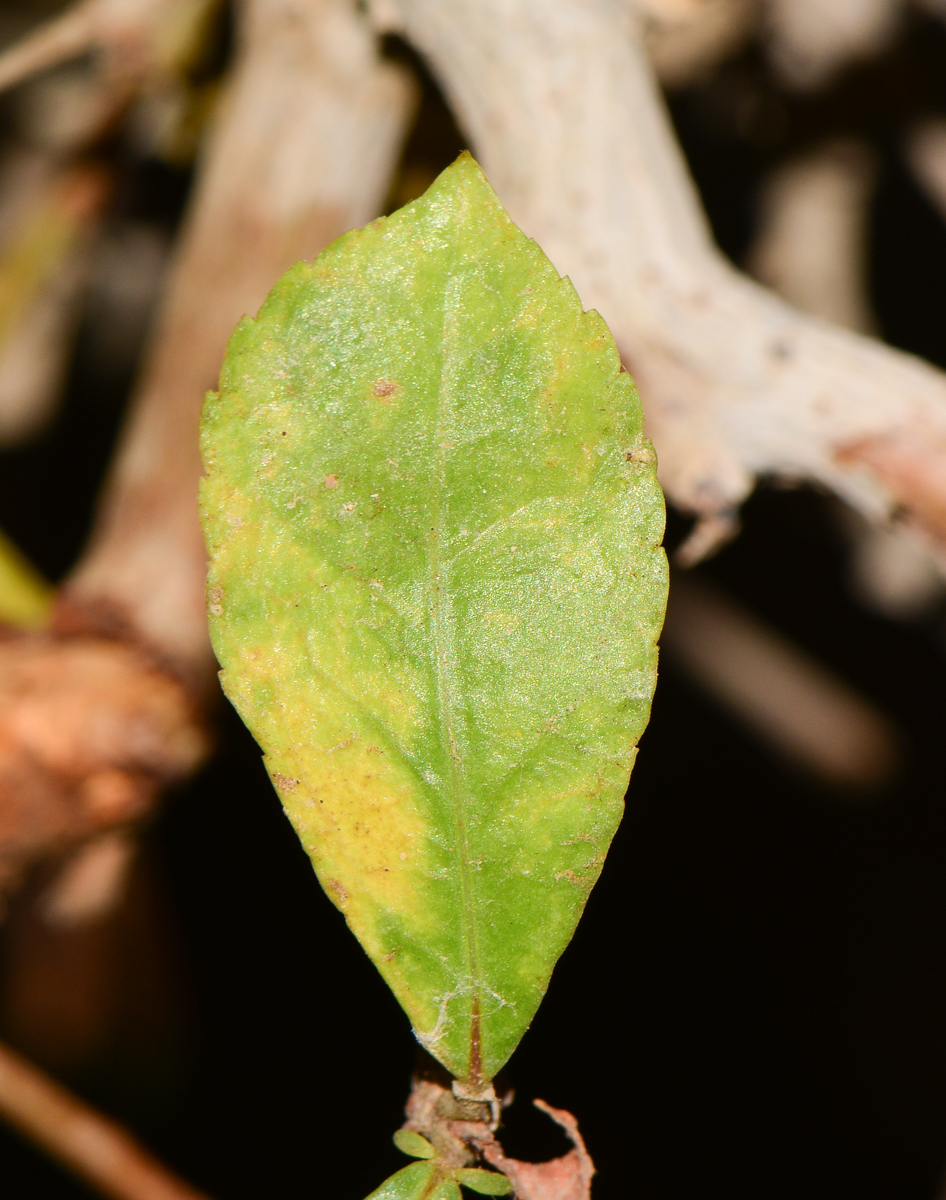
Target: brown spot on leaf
(337, 891)
(385, 389)
(285, 783)
(331, 481)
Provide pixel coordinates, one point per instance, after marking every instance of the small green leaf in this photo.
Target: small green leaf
(419, 1181)
(436, 588)
(487, 1183)
(410, 1183)
(413, 1144)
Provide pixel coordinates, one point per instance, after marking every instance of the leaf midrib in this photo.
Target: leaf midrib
(446, 673)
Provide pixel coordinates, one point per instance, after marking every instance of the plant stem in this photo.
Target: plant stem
(95, 1148)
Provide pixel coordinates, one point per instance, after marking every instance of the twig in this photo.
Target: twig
(812, 249)
(91, 883)
(65, 37)
(811, 244)
(562, 108)
(88, 25)
(50, 203)
(791, 701)
(95, 1148)
(810, 40)
(685, 45)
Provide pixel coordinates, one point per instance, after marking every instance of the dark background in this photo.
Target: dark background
(755, 1002)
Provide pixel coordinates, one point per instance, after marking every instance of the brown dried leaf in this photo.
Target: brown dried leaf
(565, 1178)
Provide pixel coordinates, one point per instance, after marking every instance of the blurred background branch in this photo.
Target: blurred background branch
(98, 1150)
(292, 116)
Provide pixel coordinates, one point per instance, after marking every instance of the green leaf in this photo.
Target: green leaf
(413, 1144)
(419, 1181)
(435, 591)
(410, 1183)
(487, 1183)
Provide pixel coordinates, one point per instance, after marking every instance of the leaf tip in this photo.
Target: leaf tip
(487, 1183)
(413, 1144)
